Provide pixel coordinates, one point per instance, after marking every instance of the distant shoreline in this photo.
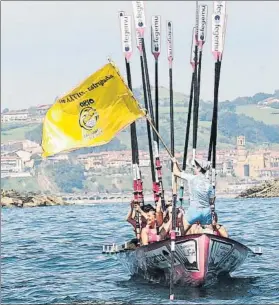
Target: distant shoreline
(126, 200)
(13, 199)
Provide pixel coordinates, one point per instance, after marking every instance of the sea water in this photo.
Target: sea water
(53, 255)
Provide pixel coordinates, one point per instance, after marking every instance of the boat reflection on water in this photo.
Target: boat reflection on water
(225, 288)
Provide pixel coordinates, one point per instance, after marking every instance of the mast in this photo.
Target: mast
(126, 37)
(218, 39)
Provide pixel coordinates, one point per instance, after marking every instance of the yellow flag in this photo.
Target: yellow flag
(91, 114)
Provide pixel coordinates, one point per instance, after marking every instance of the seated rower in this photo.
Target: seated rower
(167, 221)
(167, 217)
(135, 207)
(131, 214)
(159, 212)
(181, 223)
(149, 234)
(195, 228)
(135, 220)
(148, 207)
(131, 217)
(216, 229)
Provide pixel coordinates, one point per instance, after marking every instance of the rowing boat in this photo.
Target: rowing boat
(200, 259)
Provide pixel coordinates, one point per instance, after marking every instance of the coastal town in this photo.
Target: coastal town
(238, 168)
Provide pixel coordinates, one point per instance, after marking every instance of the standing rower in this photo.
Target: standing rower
(200, 193)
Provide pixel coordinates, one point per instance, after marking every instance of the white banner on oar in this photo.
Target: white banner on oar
(170, 41)
(202, 28)
(219, 7)
(156, 36)
(194, 44)
(139, 16)
(126, 34)
(218, 24)
(139, 41)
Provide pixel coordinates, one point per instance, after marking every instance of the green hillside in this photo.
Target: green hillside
(264, 114)
(10, 132)
(240, 116)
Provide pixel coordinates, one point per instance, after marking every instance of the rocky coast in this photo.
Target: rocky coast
(269, 189)
(14, 199)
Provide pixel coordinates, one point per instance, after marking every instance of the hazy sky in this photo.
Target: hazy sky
(49, 47)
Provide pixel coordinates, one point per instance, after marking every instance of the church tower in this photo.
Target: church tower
(241, 150)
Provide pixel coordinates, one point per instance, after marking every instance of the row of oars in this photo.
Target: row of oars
(198, 40)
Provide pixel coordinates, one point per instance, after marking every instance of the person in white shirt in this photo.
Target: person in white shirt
(200, 192)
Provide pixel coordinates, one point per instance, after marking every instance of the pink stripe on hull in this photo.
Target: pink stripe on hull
(203, 246)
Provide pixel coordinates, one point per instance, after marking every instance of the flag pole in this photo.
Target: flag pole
(159, 136)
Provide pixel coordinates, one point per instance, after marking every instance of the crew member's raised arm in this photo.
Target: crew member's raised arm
(177, 172)
(159, 213)
(131, 211)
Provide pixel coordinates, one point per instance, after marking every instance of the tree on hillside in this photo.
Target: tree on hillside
(5, 110)
(66, 175)
(35, 134)
(32, 110)
(205, 115)
(232, 125)
(260, 97)
(227, 106)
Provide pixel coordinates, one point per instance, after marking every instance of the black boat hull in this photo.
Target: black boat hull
(199, 259)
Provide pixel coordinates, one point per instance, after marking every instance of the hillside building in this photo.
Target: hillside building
(259, 164)
(14, 116)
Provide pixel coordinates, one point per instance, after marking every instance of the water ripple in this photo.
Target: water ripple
(53, 255)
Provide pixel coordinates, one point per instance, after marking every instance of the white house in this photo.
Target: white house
(11, 163)
(14, 116)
